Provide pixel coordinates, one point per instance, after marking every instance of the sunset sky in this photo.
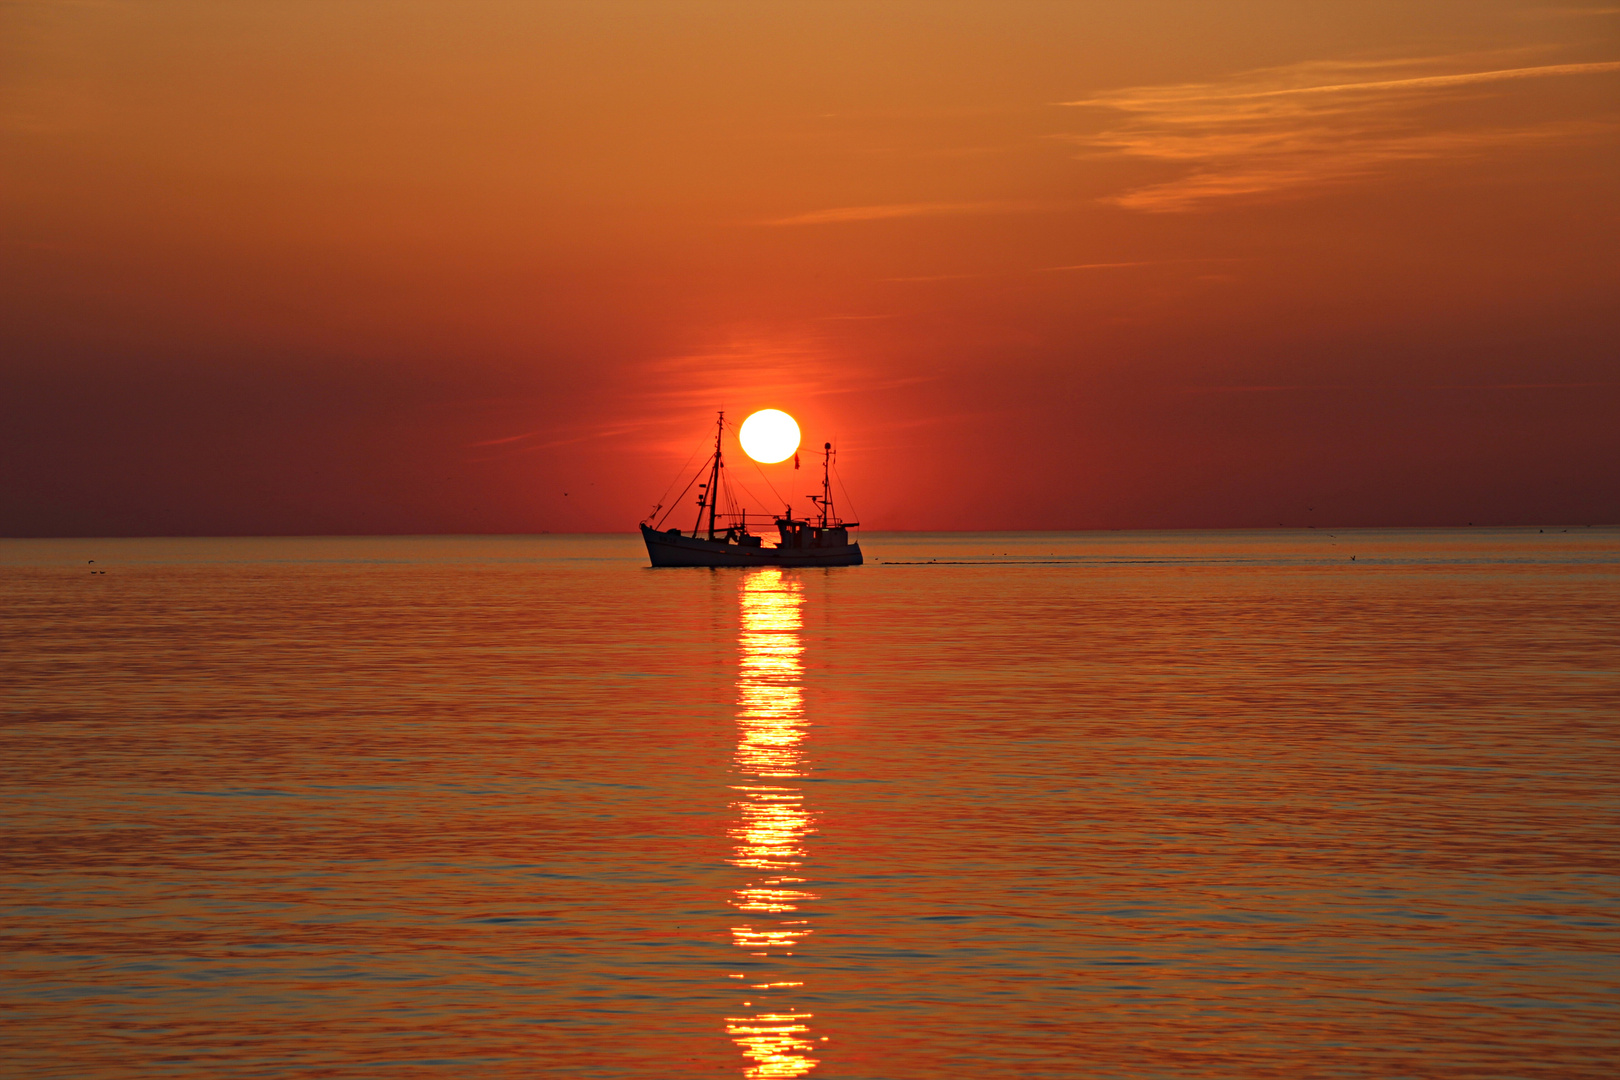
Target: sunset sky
(425, 268)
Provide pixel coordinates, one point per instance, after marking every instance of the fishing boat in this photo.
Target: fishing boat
(817, 539)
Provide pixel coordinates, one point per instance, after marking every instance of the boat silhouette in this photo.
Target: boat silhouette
(819, 539)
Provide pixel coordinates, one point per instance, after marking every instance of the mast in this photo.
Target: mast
(826, 482)
(714, 475)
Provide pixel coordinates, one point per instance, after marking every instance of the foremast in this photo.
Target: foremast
(711, 491)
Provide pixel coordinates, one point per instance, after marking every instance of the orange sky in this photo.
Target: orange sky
(396, 267)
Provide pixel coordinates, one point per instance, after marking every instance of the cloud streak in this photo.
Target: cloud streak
(1282, 132)
(887, 211)
(506, 439)
(1097, 266)
(1374, 389)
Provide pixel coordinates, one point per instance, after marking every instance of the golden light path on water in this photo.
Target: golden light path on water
(772, 821)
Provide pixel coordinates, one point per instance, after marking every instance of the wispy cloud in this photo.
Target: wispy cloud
(506, 439)
(1139, 262)
(1095, 266)
(906, 210)
(1286, 130)
(1066, 266)
(1567, 12)
(1312, 388)
(677, 394)
(1376, 389)
(934, 277)
(749, 366)
(526, 443)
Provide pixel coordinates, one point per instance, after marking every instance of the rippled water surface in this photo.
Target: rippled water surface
(1034, 805)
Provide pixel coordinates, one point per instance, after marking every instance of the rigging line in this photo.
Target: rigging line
(735, 510)
(679, 497)
(749, 492)
(679, 473)
(839, 477)
(780, 501)
(696, 450)
(711, 490)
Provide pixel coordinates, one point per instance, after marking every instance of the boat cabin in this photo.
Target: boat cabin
(806, 534)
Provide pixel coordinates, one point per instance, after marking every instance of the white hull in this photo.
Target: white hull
(673, 549)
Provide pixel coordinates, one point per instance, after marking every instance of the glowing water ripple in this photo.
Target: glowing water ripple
(772, 821)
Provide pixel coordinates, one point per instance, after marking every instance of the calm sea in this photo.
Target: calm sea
(1032, 805)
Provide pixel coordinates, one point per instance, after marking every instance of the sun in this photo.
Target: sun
(769, 436)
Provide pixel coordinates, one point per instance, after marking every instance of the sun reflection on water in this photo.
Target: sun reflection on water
(772, 821)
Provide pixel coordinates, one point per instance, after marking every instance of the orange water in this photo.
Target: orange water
(1040, 805)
